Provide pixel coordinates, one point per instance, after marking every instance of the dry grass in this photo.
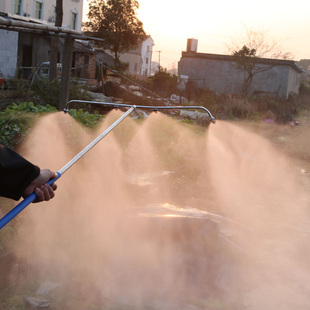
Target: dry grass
(293, 141)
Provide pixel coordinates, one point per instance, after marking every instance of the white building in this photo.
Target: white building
(26, 49)
(139, 60)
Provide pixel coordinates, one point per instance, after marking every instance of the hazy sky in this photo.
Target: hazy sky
(215, 23)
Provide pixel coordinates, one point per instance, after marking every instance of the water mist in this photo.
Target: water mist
(89, 240)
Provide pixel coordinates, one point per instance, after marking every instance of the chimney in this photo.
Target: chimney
(192, 45)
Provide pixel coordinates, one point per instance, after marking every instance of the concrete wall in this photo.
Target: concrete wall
(273, 81)
(48, 14)
(40, 48)
(134, 61)
(69, 7)
(8, 52)
(4, 5)
(221, 75)
(294, 80)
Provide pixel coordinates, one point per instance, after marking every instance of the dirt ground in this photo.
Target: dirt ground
(294, 142)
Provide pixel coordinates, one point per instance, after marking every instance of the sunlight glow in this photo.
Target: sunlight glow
(216, 23)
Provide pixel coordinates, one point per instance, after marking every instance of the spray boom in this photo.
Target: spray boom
(144, 107)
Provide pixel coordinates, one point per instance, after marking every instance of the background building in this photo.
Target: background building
(220, 73)
(21, 51)
(44, 11)
(139, 60)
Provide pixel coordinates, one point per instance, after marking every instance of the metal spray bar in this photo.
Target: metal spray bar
(154, 108)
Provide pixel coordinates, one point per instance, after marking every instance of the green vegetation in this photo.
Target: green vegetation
(48, 92)
(163, 83)
(17, 119)
(85, 118)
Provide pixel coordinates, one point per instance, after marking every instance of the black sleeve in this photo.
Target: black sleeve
(16, 173)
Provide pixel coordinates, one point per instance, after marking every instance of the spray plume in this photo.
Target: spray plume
(89, 239)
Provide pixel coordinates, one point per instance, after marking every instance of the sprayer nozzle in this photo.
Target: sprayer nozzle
(212, 120)
(66, 110)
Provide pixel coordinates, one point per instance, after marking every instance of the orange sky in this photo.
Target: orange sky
(216, 23)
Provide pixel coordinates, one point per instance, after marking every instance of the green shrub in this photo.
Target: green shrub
(28, 107)
(18, 87)
(208, 99)
(13, 128)
(304, 89)
(78, 91)
(163, 82)
(85, 118)
(49, 91)
(17, 119)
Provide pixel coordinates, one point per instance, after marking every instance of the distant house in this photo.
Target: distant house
(139, 60)
(221, 74)
(22, 50)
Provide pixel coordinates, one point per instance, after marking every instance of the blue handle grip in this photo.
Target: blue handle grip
(23, 204)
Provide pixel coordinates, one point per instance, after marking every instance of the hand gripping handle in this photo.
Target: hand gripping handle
(23, 204)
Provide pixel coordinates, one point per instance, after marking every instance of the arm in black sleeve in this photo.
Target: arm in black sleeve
(16, 173)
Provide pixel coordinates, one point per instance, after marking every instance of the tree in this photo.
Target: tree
(116, 22)
(248, 58)
(54, 41)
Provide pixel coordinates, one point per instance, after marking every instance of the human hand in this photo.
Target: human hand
(44, 191)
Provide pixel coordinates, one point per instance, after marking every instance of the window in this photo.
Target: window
(86, 60)
(147, 60)
(147, 48)
(73, 20)
(39, 10)
(17, 7)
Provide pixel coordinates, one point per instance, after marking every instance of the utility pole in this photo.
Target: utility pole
(158, 59)
(66, 72)
(54, 41)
